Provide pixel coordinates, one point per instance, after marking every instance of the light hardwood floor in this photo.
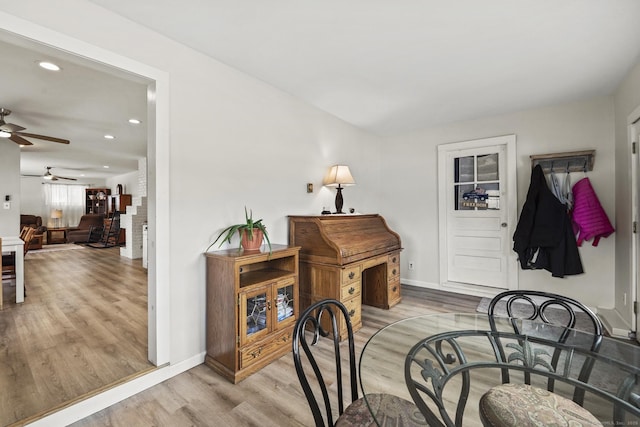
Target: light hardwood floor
(82, 327)
(270, 397)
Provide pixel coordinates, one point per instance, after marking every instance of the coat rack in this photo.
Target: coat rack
(575, 161)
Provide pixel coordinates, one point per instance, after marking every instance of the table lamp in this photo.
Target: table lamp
(57, 215)
(339, 176)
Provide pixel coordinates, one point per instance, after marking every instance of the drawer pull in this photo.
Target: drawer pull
(393, 260)
(393, 271)
(285, 338)
(352, 290)
(352, 275)
(352, 313)
(256, 353)
(395, 288)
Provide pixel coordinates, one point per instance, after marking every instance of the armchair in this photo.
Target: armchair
(80, 233)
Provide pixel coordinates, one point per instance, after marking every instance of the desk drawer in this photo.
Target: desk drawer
(354, 308)
(351, 274)
(393, 266)
(256, 352)
(349, 291)
(393, 293)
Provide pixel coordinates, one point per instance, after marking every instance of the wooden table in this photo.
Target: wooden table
(408, 357)
(56, 235)
(16, 244)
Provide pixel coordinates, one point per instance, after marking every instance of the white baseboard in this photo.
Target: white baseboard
(114, 395)
(458, 288)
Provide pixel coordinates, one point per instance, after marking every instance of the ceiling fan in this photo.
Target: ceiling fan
(51, 177)
(14, 132)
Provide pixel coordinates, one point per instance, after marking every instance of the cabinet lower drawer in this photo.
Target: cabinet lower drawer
(256, 352)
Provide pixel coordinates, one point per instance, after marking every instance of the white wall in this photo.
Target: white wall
(410, 195)
(627, 98)
(31, 197)
(129, 182)
(9, 185)
(234, 141)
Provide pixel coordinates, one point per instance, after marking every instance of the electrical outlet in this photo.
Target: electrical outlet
(6, 205)
(411, 265)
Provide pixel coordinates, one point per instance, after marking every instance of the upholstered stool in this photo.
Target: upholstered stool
(521, 405)
(397, 412)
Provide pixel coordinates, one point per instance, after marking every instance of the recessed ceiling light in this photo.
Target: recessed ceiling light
(49, 66)
(109, 137)
(134, 121)
(4, 134)
(106, 166)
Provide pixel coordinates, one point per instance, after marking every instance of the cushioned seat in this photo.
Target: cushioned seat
(522, 405)
(397, 412)
(80, 234)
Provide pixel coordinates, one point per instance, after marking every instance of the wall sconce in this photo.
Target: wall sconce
(339, 176)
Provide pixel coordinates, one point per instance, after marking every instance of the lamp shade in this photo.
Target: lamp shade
(56, 213)
(339, 175)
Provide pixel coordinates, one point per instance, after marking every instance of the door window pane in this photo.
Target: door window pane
(488, 167)
(464, 169)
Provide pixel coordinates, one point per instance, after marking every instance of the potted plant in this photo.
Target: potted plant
(251, 233)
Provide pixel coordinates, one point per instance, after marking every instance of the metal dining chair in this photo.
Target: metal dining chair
(311, 358)
(549, 308)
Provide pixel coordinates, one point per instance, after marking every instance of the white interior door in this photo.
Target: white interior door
(477, 205)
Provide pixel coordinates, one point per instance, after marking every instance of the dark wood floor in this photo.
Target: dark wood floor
(82, 327)
(270, 397)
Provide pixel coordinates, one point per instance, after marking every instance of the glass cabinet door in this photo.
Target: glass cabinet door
(255, 309)
(284, 298)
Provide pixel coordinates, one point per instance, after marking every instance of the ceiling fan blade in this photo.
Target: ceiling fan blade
(46, 138)
(19, 140)
(62, 177)
(10, 127)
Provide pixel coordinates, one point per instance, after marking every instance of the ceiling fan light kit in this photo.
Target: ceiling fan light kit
(51, 177)
(14, 132)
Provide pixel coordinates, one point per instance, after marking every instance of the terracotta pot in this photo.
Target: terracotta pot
(254, 244)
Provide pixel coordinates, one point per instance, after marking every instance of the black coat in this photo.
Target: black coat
(544, 236)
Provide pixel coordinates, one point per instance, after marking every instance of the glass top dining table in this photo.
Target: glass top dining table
(384, 356)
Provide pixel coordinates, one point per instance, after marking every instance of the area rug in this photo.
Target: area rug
(56, 248)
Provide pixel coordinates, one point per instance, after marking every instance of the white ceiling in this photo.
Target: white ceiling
(81, 103)
(385, 66)
(392, 66)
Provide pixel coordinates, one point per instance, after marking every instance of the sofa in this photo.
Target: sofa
(34, 221)
(80, 233)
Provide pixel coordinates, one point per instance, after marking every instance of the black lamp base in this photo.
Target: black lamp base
(339, 200)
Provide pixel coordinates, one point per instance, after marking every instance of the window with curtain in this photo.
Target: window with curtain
(64, 204)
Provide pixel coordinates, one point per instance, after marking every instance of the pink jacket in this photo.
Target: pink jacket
(588, 216)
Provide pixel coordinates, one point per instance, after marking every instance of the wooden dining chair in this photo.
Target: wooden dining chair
(544, 307)
(322, 320)
(9, 261)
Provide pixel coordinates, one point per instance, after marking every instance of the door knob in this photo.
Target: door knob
(503, 225)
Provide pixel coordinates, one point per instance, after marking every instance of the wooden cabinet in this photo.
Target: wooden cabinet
(96, 201)
(352, 258)
(252, 307)
(118, 203)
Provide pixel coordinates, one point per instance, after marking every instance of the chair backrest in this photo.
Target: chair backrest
(554, 309)
(548, 308)
(28, 236)
(322, 320)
